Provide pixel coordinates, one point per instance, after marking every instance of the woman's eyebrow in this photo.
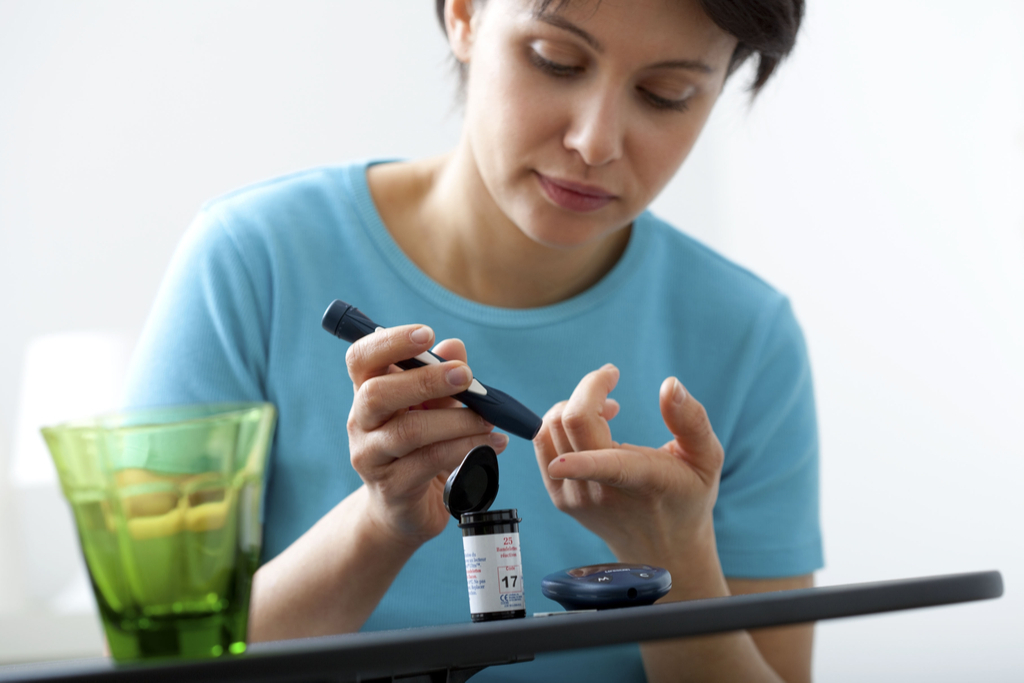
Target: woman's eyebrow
(561, 22)
(692, 64)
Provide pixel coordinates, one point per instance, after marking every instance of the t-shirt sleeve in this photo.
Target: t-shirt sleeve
(766, 519)
(206, 336)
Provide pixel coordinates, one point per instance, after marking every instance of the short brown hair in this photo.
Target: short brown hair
(766, 28)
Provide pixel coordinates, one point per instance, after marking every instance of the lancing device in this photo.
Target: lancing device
(347, 322)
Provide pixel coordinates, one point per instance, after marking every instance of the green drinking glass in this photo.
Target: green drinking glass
(167, 505)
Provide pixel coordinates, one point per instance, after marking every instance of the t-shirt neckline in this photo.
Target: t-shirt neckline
(459, 306)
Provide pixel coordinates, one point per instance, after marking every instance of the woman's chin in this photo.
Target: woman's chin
(563, 235)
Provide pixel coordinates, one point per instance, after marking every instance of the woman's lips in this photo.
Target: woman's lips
(574, 196)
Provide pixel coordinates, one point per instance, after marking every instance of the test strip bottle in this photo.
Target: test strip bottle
(494, 567)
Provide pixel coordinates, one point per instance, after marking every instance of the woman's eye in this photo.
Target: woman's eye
(659, 102)
(553, 68)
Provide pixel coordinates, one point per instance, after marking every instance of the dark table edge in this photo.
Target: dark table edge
(405, 652)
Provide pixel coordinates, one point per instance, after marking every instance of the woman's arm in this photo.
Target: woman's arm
(786, 648)
(329, 580)
(405, 438)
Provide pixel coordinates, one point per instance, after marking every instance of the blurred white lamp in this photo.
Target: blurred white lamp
(65, 376)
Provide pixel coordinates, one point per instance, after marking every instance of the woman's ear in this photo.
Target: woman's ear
(458, 22)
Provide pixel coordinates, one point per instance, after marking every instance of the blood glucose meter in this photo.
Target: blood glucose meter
(607, 586)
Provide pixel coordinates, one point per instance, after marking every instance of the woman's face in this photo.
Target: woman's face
(577, 118)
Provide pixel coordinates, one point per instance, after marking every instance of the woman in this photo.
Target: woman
(530, 240)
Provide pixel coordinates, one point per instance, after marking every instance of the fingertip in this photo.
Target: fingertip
(498, 441)
(607, 375)
(556, 468)
(450, 341)
(553, 412)
(611, 408)
(678, 393)
(459, 375)
(451, 349)
(422, 335)
(673, 390)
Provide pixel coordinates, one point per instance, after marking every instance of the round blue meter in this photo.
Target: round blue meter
(607, 586)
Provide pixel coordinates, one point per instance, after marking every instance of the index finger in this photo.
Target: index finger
(372, 355)
(622, 468)
(583, 417)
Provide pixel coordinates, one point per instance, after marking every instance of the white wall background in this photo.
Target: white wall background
(879, 182)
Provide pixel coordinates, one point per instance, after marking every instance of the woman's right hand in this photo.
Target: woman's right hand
(406, 435)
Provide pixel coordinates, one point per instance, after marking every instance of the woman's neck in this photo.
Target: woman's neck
(443, 218)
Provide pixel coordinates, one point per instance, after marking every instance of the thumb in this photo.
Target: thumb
(685, 417)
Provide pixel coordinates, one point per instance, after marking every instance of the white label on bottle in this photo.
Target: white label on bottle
(494, 573)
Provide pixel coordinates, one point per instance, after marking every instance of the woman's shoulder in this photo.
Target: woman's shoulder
(699, 273)
(287, 215)
(322, 189)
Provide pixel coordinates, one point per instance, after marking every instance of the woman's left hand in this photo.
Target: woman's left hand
(648, 504)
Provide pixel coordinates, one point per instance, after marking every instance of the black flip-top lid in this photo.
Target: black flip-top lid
(473, 486)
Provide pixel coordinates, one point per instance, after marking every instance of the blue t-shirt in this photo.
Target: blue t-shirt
(238, 318)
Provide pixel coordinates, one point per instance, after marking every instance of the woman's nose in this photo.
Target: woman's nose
(596, 129)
